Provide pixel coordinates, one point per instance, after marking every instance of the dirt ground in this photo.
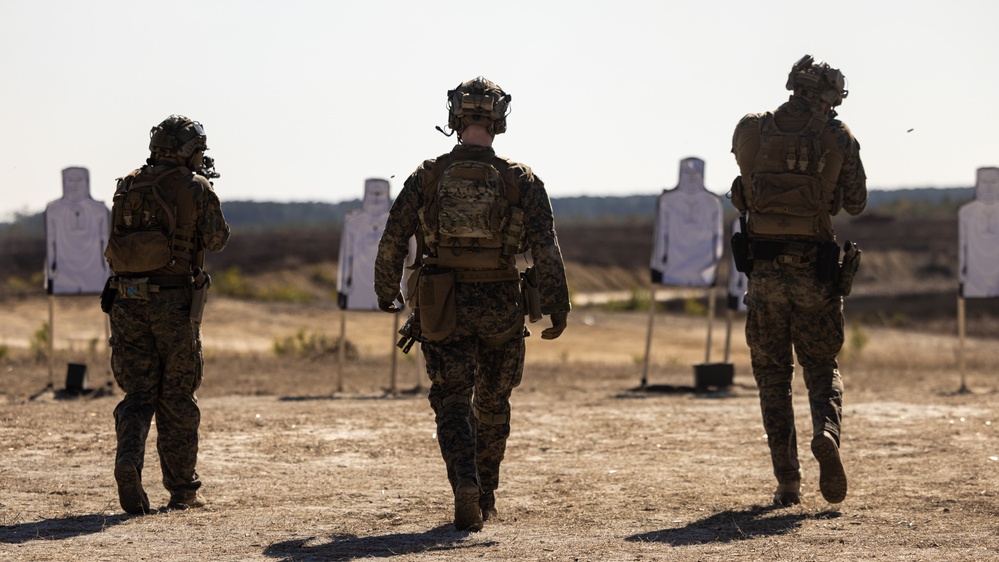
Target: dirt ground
(297, 470)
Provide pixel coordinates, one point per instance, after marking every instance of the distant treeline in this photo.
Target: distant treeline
(254, 215)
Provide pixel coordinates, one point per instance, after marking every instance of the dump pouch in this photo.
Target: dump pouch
(827, 265)
(108, 295)
(848, 269)
(412, 282)
(532, 294)
(436, 303)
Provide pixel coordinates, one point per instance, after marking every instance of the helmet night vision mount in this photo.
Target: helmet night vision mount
(817, 80)
(478, 102)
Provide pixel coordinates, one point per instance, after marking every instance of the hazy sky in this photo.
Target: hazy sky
(303, 100)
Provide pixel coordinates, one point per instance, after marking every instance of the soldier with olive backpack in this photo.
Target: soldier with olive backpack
(799, 167)
(165, 214)
(472, 213)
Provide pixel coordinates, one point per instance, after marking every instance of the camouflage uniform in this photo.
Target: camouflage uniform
(156, 348)
(474, 370)
(790, 307)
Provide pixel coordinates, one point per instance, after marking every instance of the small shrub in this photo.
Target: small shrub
(900, 320)
(694, 307)
(858, 339)
(285, 294)
(321, 276)
(39, 344)
(637, 301)
(4, 352)
(312, 345)
(231, 283)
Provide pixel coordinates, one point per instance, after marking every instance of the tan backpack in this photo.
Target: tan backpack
(144, 234)
(788, 195)
(471, 218)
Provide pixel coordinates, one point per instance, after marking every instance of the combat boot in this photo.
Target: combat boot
(788, 493)
(131, 496)
(487, 503)
(832, 477)
(186, 499)
(467, 513)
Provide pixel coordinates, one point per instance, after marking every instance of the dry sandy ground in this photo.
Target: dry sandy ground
(595, 471)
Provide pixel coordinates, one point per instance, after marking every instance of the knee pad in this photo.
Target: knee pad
(490, 418)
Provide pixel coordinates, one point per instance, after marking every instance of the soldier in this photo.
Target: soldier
(165, 214)
(472, 212)
(799, 166)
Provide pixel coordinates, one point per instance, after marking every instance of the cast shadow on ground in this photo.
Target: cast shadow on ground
(341, 548)
(59, 529)
(729, 526)
(387, 394)
(73, 393)
(716, 393)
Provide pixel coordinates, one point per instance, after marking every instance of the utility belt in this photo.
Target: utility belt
(799, 254)
(487, 275)
(141, 287)
(794, 254)
(472, 275)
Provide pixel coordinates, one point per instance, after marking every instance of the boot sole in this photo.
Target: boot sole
(131, 496)
(467, 513)
(832, 477)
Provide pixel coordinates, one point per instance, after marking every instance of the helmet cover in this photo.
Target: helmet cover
(478, 102)
(177, 136)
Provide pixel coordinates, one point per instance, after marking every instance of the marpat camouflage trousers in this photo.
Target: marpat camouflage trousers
(472, 374)
(789, 308)
(156, 359)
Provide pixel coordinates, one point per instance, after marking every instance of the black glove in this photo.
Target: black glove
(390, 305)
(558, 325)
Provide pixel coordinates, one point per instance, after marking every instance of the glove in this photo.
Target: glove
(389, 305)
(558, 325)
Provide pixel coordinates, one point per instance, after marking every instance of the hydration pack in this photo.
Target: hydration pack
(471, 218)
(144, 233)
(788, 195)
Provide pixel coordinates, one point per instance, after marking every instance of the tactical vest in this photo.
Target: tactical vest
(788, 195)
(153, 225)
(471, 217)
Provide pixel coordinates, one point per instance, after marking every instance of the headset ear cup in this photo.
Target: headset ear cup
(476, 102)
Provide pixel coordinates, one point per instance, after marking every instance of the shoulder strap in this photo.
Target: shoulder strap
(159, 199)
(511, 188)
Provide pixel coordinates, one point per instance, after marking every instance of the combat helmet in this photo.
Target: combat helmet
(478, 102)
(817, 81)
(177, 137)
